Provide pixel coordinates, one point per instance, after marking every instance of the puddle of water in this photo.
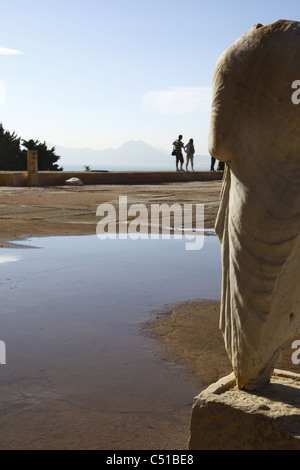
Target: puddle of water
(69, 317)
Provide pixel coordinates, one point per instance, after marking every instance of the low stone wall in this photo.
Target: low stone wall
(9, 178)
(57, 178)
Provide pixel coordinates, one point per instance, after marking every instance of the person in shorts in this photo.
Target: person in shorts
(178, 145)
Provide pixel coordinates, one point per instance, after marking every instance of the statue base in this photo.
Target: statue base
(226, 418)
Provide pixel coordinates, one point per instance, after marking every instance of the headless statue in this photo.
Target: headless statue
(255, 130)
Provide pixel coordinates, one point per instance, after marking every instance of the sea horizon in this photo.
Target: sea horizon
(97, 167)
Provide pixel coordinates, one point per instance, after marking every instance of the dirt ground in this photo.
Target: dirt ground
(71, 210)
(190, 331)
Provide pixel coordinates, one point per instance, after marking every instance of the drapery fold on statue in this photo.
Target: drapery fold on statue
(255, 129)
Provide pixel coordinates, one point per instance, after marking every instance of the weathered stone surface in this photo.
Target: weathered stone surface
(227, 418)
(255, 130)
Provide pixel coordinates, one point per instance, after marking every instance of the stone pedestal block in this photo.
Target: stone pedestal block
(227, 418)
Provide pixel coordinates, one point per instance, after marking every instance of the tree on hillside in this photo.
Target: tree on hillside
(9, 151)
(46, 157)
(13, 158)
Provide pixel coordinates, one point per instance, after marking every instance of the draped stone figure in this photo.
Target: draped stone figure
(255, 130)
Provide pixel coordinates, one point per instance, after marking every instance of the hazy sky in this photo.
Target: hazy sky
(96, 73)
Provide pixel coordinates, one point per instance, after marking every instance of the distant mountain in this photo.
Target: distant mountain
(133, 154)
(130, 153)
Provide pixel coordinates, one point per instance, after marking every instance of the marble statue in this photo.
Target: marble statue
(255, 130)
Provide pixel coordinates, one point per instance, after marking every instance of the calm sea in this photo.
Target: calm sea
(171, 167)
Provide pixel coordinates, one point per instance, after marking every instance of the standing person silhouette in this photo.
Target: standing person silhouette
(212, 163)
(190, 150)
(178, 146)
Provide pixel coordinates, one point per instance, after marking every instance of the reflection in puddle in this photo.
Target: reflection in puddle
(70, 314)
(8, 259)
